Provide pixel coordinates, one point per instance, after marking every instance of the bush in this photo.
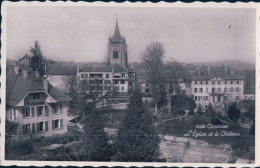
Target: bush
(233, 112)
(181, 112)
(210, 111)
(215, 121)
(200, 111)
(191, 111)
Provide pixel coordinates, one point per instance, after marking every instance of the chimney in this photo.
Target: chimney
(16, 69)
(25, 73)
(226, 70)
(37, 73)
(231, 71)
(45, 83)
(77, 68)
(208, 69)
(45, 67)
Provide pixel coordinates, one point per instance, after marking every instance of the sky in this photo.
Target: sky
(81, 34)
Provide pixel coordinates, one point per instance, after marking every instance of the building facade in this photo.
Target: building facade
(33, 106)
(219, 86)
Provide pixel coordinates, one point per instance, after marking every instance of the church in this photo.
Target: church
(113, 76)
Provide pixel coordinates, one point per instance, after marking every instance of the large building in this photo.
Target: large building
(112, 76)
(216, 85)
(33, 106)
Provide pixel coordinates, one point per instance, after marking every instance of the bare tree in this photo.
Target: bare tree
(71, 87)
(152, 58)
(173, 71)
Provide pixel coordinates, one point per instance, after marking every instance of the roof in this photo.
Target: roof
(60, 69)
(18, 87)
(102, 68)
(215, 72)
(117, 36)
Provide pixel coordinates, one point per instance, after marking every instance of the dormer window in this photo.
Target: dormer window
(35, 96)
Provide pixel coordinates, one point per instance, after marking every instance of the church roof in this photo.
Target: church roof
(117, 37)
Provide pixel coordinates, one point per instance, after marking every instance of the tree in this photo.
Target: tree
(233, 112)
(191, 110)
(137, 139)
(152, 59)
(200, 111)
(173, 70)
(98, 148)
(36, 57)
(72, 87)
(252, 129)
(210, 111)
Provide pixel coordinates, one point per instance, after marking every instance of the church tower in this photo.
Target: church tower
(117, 49)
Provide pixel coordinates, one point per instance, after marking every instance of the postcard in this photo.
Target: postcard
(130, 84)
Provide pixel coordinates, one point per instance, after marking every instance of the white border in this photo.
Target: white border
(4, 6)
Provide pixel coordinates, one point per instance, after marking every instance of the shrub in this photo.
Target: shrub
(233, 112)
(200, 111)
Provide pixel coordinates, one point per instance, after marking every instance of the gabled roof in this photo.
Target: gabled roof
(60, 69)
(220, 72)
(18, 87)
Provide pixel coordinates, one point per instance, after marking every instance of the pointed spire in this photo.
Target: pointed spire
(117, 35)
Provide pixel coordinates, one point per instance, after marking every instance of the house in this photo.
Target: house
(57, 74)
(33, 106)
(219, 86)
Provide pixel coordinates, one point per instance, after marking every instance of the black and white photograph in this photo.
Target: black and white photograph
(129, 83)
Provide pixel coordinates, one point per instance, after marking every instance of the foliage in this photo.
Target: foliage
(181, 112)
(210, 111)
(200, 111)
(252, 129)
(183, 101)
(36, 57)
(163, 99)
(215, 121)
(95, 138)
(137, 139)
(152, 58)
(249, 105)
(233, 112)
(191, 110)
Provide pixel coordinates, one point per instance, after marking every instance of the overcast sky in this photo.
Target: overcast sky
(81, 33)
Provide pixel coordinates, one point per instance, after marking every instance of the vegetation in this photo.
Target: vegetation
(233, 112)
(152, 58)
(137, 139)
(36, 57)
(210, 111)
(200, 111)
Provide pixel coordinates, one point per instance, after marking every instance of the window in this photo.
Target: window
(107, 75)
(195, 90)
(35, 96)
(225, 82)
(40, 110)
(122, 82)
(84, 75)
(201, 90)
(195, 98)
(107, 82)
(115, 54)
(207, 82)
(213, 82)
(207, 90)
(225, 89)
(28, 128)
(57, 124)
(219, 90)
(206, 98)
(237, 82)
(195, 82)
(206, 106)
(237, 89)
(219, 82)
(26, 112)
(237, 97)
(41, 126)
(122, 88)
(213, 90)
(231, 82)
(218, 98)
(231, 89)
(201, 82)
